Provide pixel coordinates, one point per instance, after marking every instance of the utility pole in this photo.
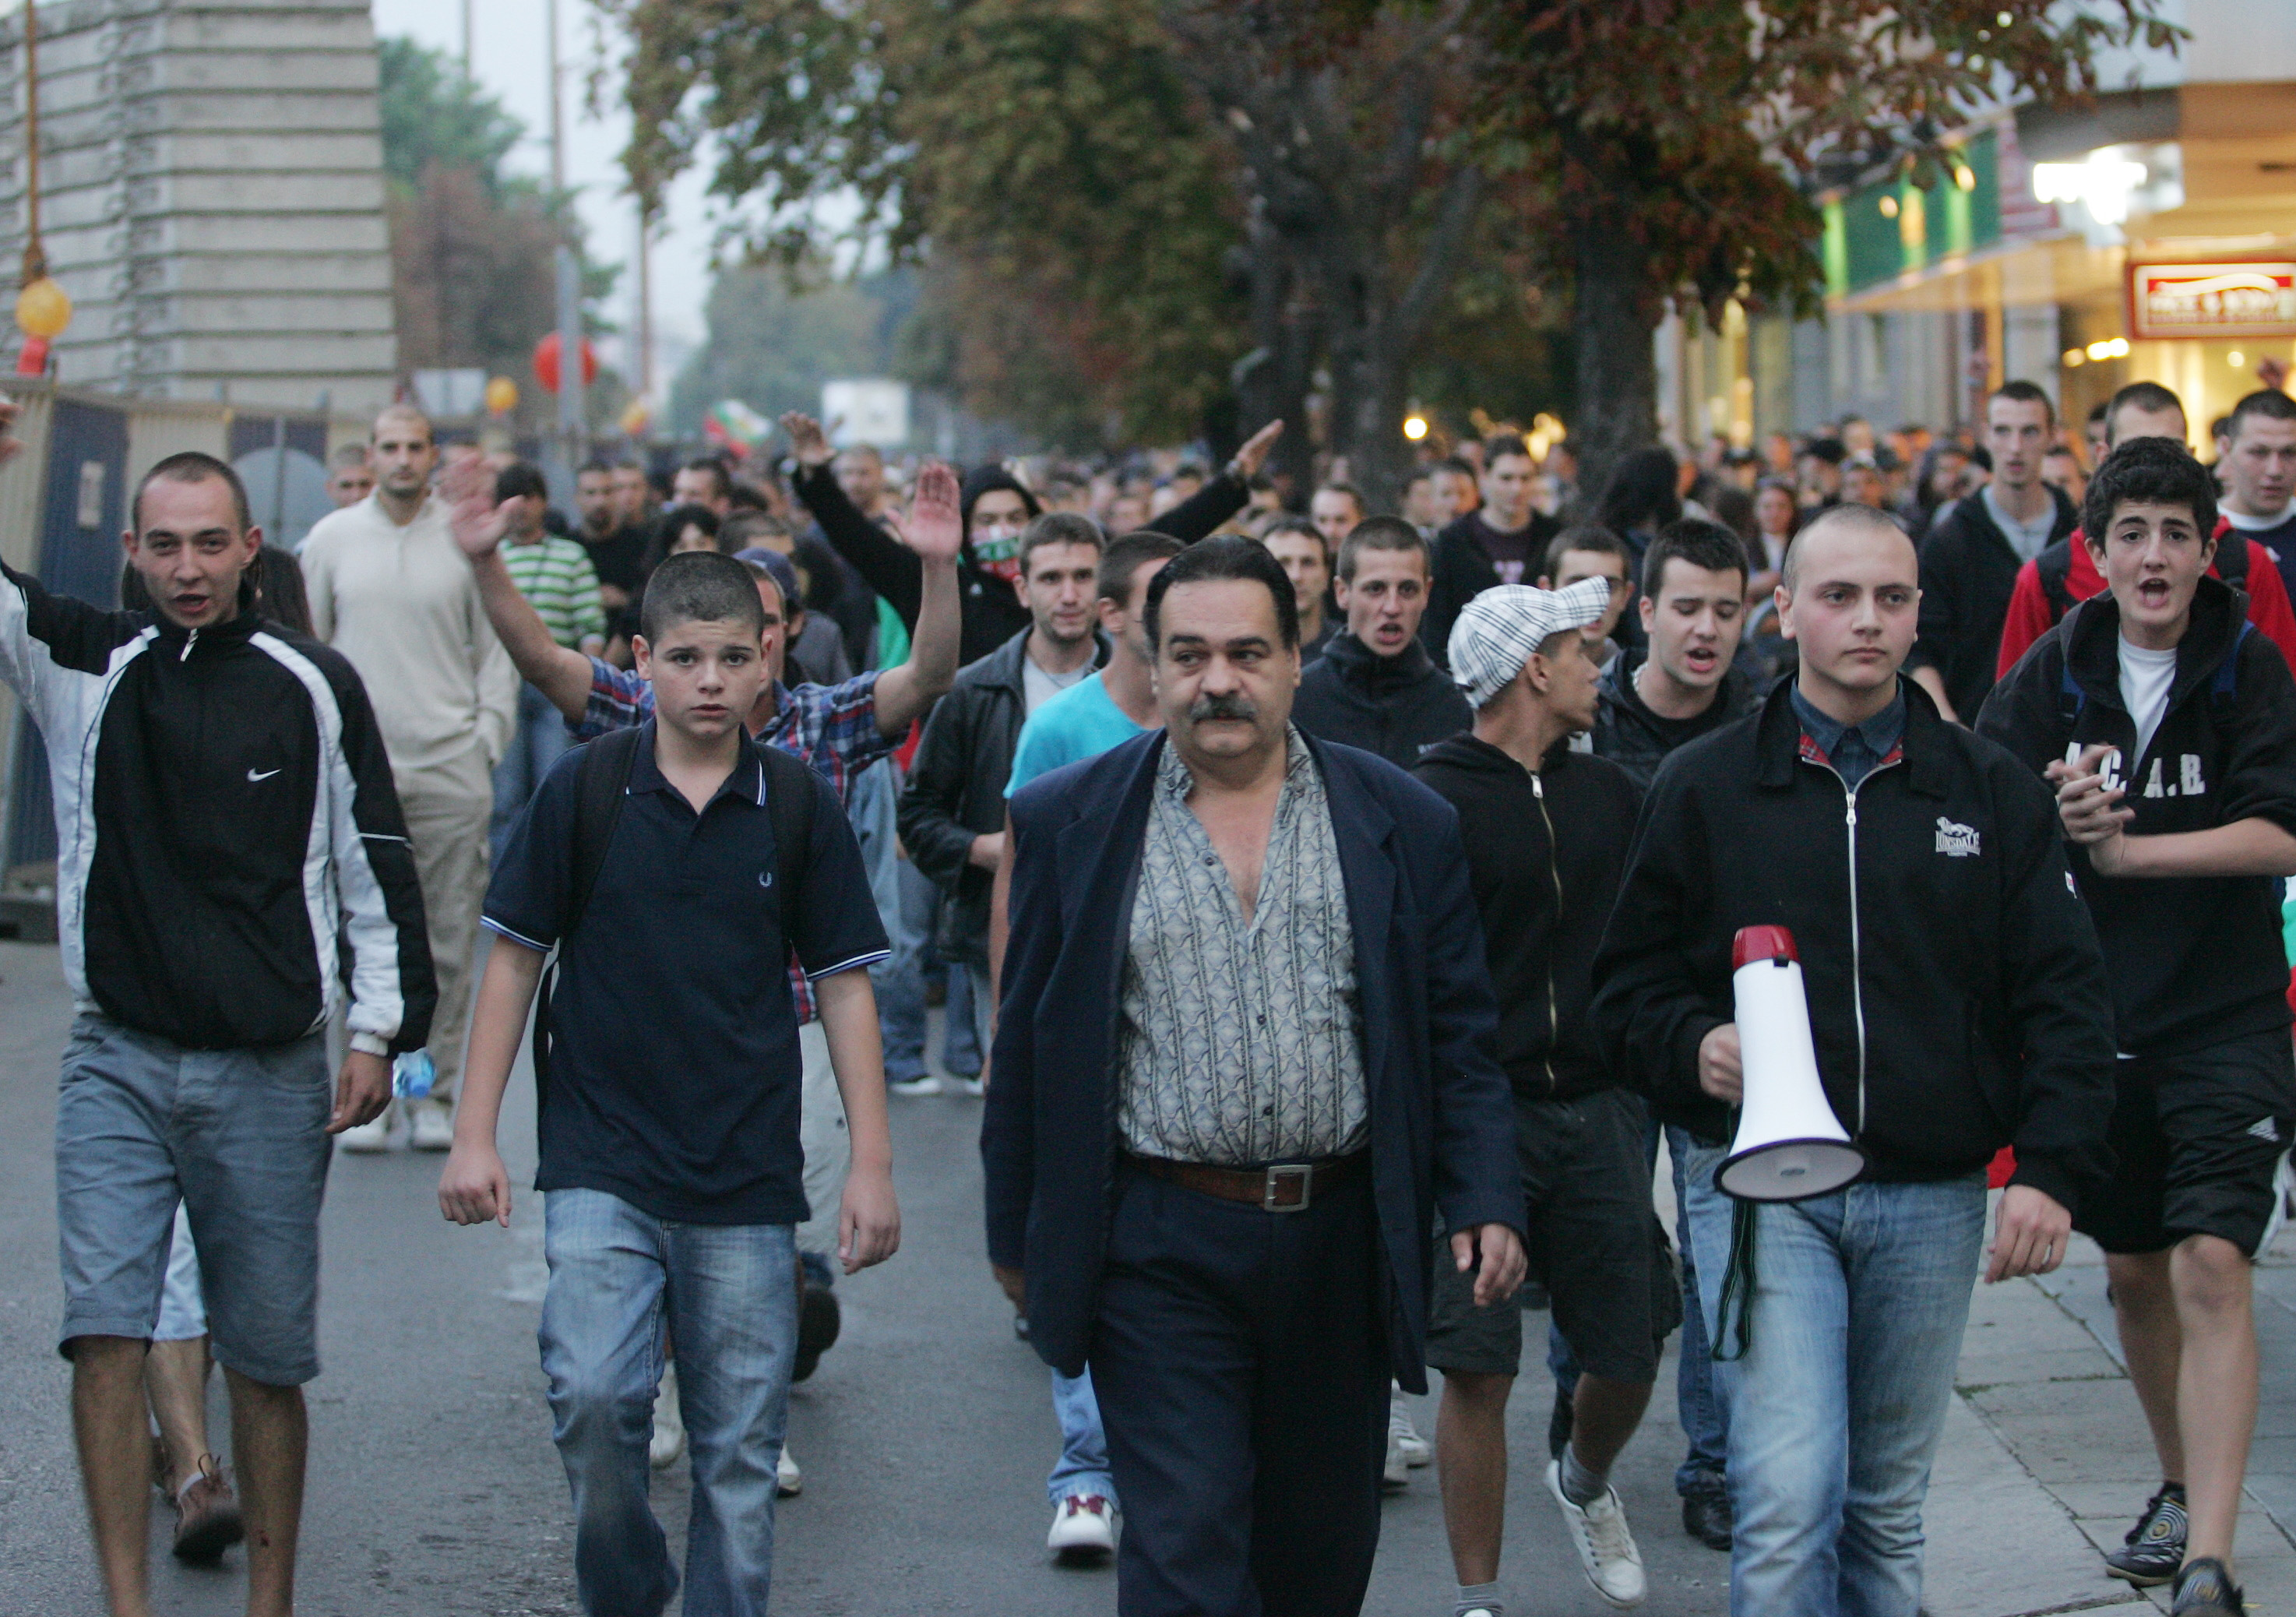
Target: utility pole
(469, 69)
(571, 413)
(645, 303)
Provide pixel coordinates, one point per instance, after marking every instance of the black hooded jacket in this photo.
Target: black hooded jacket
(957, 788)
(1957, 993)
(2193, 960)
(1637, 740)
(1397, 706)
(993, 611)
(1969, 571)
(1545, 853)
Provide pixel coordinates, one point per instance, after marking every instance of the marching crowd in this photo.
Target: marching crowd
(1336, 909)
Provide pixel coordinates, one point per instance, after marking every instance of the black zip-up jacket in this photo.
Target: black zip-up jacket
(2192, 960)
(1957, 993)
(1461, 568)
(232, 863)
(957, 788)
(1545, 853)
(1397, 706)
(1637, 740)
(1969, 571)
(993, 611)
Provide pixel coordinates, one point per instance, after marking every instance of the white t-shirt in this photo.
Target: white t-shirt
(2145, 678)
(1040, 687)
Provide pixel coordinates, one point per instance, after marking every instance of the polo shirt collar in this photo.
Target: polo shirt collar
(745, 785)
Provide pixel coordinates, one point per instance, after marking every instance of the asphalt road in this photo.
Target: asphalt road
(434, 1489)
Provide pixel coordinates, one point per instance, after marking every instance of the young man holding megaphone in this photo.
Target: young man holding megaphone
(1955, 1000)
(2168, 729)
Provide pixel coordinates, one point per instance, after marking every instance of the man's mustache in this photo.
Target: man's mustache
(1207, 708)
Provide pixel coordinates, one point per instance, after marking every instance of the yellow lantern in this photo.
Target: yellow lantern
(637, 415)
(42, 310)
(502, 396)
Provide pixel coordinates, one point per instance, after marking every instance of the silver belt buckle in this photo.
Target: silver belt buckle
(1303, 1174)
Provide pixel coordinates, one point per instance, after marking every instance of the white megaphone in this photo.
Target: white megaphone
(1790, 1144)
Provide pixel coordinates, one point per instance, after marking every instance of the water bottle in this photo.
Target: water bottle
(411, 1075)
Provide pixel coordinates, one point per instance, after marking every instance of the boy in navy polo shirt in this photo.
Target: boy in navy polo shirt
(669, 1116)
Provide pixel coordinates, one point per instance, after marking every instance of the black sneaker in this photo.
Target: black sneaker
(819, 1318)
(1706, 1516)
(2154, 1547)
(2204, 1588)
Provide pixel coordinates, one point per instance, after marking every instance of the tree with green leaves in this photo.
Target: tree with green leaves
(1133, 206)
(1660, 151)
(472, 243)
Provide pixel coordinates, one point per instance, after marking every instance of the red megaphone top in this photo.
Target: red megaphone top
(1754, 943)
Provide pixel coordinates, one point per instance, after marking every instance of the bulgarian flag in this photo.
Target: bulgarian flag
(732, 425)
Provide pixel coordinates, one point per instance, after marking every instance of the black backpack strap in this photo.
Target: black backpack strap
(602, 780)
(2231, 559)
(788, 800)
(2227, 682)
(2054, 566)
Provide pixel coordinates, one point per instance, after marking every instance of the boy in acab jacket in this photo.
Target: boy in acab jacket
(1957, 1001)
(2169, 728)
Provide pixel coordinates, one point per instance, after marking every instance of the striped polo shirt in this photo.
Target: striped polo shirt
(557, 580)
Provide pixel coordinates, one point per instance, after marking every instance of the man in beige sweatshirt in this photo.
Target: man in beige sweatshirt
(389, 590)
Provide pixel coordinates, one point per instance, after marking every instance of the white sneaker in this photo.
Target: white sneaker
(668, 1440)
(1083, 1529)
(1416, 1450)
(789, 1481)
(1606, 1548)
(370, 1137)
(927, 1085)
(431, 1124)
(970, 1087)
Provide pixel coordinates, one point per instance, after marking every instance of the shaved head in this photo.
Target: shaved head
(1838, 524)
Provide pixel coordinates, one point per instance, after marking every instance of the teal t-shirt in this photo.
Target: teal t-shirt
(1079, 723)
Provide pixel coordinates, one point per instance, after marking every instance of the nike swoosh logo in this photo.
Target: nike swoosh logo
(266, 776)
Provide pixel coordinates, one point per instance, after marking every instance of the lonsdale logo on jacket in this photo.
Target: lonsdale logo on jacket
(1957, 841)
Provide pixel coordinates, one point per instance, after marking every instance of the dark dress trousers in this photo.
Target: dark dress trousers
(1241, 1356)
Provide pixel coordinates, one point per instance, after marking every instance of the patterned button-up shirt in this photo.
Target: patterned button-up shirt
(1239, 1042)
(833, 728)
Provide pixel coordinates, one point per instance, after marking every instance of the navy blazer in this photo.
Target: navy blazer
(1442, 1115)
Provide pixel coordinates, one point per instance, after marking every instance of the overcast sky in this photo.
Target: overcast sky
(509, 44)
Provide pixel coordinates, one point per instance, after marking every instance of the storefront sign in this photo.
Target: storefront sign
(2235, 300)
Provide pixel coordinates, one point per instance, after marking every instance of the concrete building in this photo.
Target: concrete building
(212, 198)
(2149, 236)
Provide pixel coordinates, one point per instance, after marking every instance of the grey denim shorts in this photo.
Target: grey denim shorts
(239, 1137)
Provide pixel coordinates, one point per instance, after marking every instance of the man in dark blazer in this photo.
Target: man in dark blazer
(1239, 1070)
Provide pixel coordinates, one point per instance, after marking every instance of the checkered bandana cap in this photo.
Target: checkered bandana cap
(1498, 630)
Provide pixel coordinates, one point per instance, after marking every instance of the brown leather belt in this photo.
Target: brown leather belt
(1282, 1188)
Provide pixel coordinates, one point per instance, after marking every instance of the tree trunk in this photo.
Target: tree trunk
(1272, 382)
(1614, 323)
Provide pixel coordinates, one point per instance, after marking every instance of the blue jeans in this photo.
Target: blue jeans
(1697, 1406)
(900, 979)
(1082, 1469)
(1836, 1407)
(536, 743)
(617, 1275)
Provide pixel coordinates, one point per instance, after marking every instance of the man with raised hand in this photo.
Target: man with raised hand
(235, 872)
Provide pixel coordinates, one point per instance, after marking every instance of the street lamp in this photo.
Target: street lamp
(1415, 427)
